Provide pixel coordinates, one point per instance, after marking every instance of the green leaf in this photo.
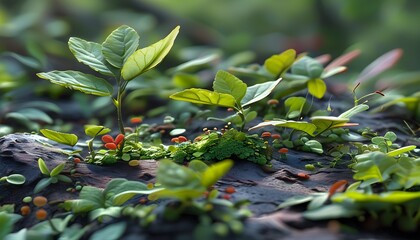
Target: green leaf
(36, 115)
(295, 106)
(89, 53)
(258, 91)
(395, 197)
(354, 110)
(85, 83)
(196, 64)
(372, 173)
(333, 72)
(43, 167)
(123, 197)
(95, 130)
(296, 200)
(400, 151)
(317, 87)
(64, 138)
(315, 146)
(323, 123)
(146, 58)
(17, 179)
(214, 172)
(43, 183)
(181, 193)
(109, 211)
(307, 66)
(57, 170)
(278, 64)
(173, 176)
(119, 45)
(309, 128)
(225, 82)
(198, 166)
(203, 96)
(333, 211)
(111, 232)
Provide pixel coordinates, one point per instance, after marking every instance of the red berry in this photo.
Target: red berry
(230, 189)
(275, 136)
(41, 214)
(25, 210)
(226, 196)
(76, 160)
(182, 139)
(283, 150)
(265, 134)
(303, 175)
(136, 120)
(111, 146)
(107, 139)
(119, 138)
(175, 140)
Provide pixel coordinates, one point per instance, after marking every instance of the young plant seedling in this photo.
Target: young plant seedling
(117, 57)
(93, 131)
(16, 179)
(51, 177)
(231, 92)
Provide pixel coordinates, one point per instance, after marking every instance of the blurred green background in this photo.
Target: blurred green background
(30, 27)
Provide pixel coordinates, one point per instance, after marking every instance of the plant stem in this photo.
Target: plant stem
(119, 113)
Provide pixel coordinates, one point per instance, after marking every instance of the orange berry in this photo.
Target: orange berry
(25, 210)
(230, 189)
(226, 196)
(283, 150)
(40, 201)
(41, 214)
(273, 102)
(77, 160)
(175, 140)
(197, 139)
(303, 175)
(111, 146)
(107, 139)
(136, 120)
(119, 138)
(182, 139)
(230, 109)
(265, 134)
(276, 136)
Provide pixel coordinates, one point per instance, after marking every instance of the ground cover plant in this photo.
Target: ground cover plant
(275, 130)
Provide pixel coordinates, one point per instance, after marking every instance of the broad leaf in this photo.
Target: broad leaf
(354, 110)
(36, 115)
(214, 172)
(331, 212)
(395, 197)
(79, 81)
(295, 106)
(43, 183)
(64, 138)
(146, 58)
(203, 96)
(278, 64)
(317, 87)
(296, 200)
(307, 66)
(95, 130)
(327, 122)
(119, 45)
(109, 211)
(400, 151)
(180, 193)
(123, 197)
(89, 53)
(111, 232)
(173, 176)
(225, 82)
(258, 91)
(309, 128)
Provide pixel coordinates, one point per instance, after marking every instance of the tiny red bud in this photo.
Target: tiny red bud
(136, 120)
(76, 160)
(265, 134)
(119, 138)
(283, 150)
(226, 196)
(230, 189)
(182, 139)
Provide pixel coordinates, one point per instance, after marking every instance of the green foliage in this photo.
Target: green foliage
(228, 91)
(117, 57)
(16, 179)
(64, 138)
(232, 144)
(7, 220)
(51, 177)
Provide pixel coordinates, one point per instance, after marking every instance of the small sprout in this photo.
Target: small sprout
(283, 153)
(136, 120)
(303, 176)
(310, 167)
(134, 163)
(25, 210)
(41, 214)
(265, 134)
(40, 201)
(275, 136)
(272, 102)
(27, 199)
(226, 196)
(230, 190)
(76, 160)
